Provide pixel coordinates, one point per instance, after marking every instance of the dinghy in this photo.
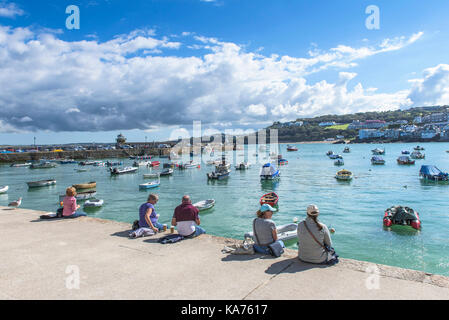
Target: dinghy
(149, 185)
(404, 216)
(292, 148)
(285, 232)
(339, 162)
(270, 198)
(116, 171)
(377, 160)
(166, 172)
(93, 203)
(344, 175)
(21, 165)
(41, 183)
(4, 189)
(89, 185)
(204, 205)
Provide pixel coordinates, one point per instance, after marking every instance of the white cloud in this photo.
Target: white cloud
(433, 89)
(120, 85)
(10, 10)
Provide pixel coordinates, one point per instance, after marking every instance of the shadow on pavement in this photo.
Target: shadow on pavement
(292, 265)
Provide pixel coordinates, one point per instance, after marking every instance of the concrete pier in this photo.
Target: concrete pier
(41, 259)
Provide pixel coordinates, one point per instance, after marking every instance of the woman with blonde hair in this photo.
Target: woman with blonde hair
(69, 204)
(314, 241)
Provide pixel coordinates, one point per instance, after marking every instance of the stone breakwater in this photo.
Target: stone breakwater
(80, 155)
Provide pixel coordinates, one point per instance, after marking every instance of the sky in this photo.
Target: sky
(149, 68)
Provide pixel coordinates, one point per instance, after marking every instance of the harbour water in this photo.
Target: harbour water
(355, 209)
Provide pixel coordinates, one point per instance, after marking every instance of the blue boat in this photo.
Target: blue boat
(269, 172)
(433, 173)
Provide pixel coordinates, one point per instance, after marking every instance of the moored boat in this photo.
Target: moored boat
(404, 216)
(243, 166)
(89, 185)
(432, 173)
(166, 172)
(418, 148)
(204, 205)
(344, 175)
(4, 189)
(405, 152)
(270, 198)
(292, 148)
(417, 155)
(335, 156)
(150, 185)
(222, 171)
(81, 195)
(329, 153)
(377, 160)
(41, 183)
(269, 172)
(141, 163)
(151, 175)
(44, 165)
(378, 151)
(405, 160)
(67, 161)
(116, 171)
(21, 165)
(93, 203)
(87, 163)
(284, 232)
(339, 162)
(346, 150)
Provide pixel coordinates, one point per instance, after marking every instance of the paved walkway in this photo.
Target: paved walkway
(40, 260)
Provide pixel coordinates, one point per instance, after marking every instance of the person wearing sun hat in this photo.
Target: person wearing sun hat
(264, 229)
(313, 236)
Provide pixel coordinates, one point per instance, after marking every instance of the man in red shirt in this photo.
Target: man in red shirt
(186, 219)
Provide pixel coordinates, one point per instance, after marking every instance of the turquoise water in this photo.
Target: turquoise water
(355, 209)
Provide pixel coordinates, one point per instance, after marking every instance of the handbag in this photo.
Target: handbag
(332, 256)
(275, 248)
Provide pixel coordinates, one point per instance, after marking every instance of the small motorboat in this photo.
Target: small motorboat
(142, 163)
(21, 165)
(285, 232)
(87, 163)
(405, 152)
(149, 185)
(329, 153)
(89, 185)
(155, 163)
(378, 151)
(166, 172)
(292, 148)
(344, 175)
(41, 183)
(151, 175)
(116, 163)
(346, 150)
(339, 162)
(44, 165)
(67, 161)
(376, 160)
(204, 205)
(335, 156)
(433, 173)
(116, 171)
(93, 203)
(270, 198)
(269, 172)
(282, 162)
(404, 216)
(405, 160)
(418, 148)
(222, 171)
(3, 189)
(417, 155)
(243, 166)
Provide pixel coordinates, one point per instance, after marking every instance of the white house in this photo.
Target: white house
(327, 124)
(370, 134)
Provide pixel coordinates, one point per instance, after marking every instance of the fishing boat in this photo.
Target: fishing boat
(269, 172)
(151, 175)
(344, 175)
(378, 151)
(67, 161)
(417, 155)
(346, 150)
(21, 165)
(432, 173)
(403, 216)
(44, 165)
(3, 189)
(166, 172)
(41, 183)
(142, 163)
(377, 160)
(418, 148)
(335, 156)
(150, 185)
(270, 198)
(222, 171)
(284, 232)
(292, 148)
(204, 205)
(93, 203)
(243, 166)
(339, 162)
(405, 152)
(116, 171)
(81, 195)
(89, 185)
(405, 160)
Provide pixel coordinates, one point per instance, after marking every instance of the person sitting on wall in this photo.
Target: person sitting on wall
(186, 219)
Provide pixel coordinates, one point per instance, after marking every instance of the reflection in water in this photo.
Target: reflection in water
(269, 185)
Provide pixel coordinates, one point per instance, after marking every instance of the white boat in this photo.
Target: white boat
(93, 203)
(4, 189)
(204, 205)
(417, 155)
(20, 165)
(222, 171)
(149, 185)
(116, 171)
(44, 165)
(41, 183)
(269, 172)
(81, 195)
(99, 164)
(151, 175)
(377, 160)
(285, 232)
(378, 151)
(166, 172)
(243, 166)
(142, 163)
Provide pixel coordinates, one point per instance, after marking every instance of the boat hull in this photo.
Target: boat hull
(43, 183)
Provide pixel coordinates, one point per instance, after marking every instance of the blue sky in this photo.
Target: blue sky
(146, 68)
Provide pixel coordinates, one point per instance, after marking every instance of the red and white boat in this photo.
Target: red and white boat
(292, 148)
(270, 198)
(402, 216)
(155, 163)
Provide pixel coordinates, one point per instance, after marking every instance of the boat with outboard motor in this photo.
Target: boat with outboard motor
(41, 183)
(344, 175)
(21, 165)
(405, 160)
(150, 185)
(166, 172)
(93, 203)
(335, 156)
(376, 160)
(117, 171)
(204, 205)
(222, 171)
(432, 173)
(378, 151)
(292, 148)
(417, 155)
(403, 216)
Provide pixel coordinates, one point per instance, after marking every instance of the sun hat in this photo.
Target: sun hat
(313, 211)
(267, 207)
